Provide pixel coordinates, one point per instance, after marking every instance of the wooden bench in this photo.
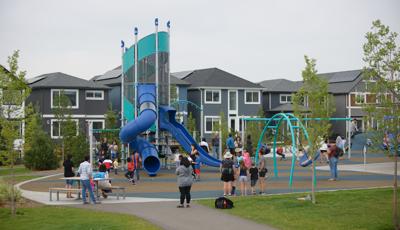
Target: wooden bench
(64, 190)
(120, 189)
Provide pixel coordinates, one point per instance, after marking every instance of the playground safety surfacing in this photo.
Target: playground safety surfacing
(210, 186)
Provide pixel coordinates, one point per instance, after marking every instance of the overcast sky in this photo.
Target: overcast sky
(256, 40)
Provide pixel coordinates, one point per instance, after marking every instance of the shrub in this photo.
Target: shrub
(6, 193)
(41, 155)
(78, 147)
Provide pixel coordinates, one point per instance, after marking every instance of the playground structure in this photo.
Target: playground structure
(146, 101)
(146, 106)
(298, 126)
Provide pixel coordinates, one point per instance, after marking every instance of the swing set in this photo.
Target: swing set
(294, 125)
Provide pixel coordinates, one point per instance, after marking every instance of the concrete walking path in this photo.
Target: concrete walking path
(167, 216)
(159, 211)
(386, 168)
(44, 198)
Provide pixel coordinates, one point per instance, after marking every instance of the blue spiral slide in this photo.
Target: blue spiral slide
(148, 115)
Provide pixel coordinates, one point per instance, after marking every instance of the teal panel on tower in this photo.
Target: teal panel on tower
(163, 43)
(129, 110)
(147, 45)
(129, 58)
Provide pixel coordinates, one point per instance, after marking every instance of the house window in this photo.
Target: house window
(213, 96)
(94, 95)
(360, 98)
(252, 97)
(72, 96)
(173, 93)
(285, 98)
(212, 123)
(97, 124)
(56, 128)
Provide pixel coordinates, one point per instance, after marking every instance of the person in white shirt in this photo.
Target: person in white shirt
(85, 173)
(204, 145)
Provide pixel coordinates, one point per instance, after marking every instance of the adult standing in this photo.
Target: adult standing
(85, 172)
(227, 176)
(262, 170)
(238, 142)
(230, 144)
(114, 150)
(354, 127)
(104, 146)
(333, 154)
(184, 177)
(68, 172)
(215, 145)
(137, 162)
(249, 145)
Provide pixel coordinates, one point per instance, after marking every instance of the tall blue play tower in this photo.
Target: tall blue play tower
(146, 100)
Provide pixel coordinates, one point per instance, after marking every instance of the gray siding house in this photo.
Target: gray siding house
(277, 95)
(88, 100)
(217, 91)
(348, 88)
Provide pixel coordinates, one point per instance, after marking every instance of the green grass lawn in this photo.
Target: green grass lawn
(357, 209)
(51, 217)
(19, 169)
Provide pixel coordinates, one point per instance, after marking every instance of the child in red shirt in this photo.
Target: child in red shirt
(131, 169)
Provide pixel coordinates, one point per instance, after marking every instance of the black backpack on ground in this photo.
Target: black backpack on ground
(223, 203)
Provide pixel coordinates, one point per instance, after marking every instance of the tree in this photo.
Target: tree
(39, 148)
(111, 123)
(382, 74)
(222, 128)
(41, 155)
(191, 124)
(314, 92)
(78, 148)
(66, 126)
(14, 92)
(253, 128)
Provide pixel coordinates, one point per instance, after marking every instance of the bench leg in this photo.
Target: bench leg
(58, 195)
(51, 199)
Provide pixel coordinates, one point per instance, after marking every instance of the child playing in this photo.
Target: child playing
(243, 178)
(131, 167)
(279, 151)
(115, 166)
(253, 178)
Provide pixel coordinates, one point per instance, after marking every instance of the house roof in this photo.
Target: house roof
(342, 82)
(281, 85)
(113, 77)
(177, 81)
(338, 82)
(214, 77)
(182, 74)
(62, 80)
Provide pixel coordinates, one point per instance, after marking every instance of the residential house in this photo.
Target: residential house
(88, 100)
(214, 91)
(348, 88)
(277, 95)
